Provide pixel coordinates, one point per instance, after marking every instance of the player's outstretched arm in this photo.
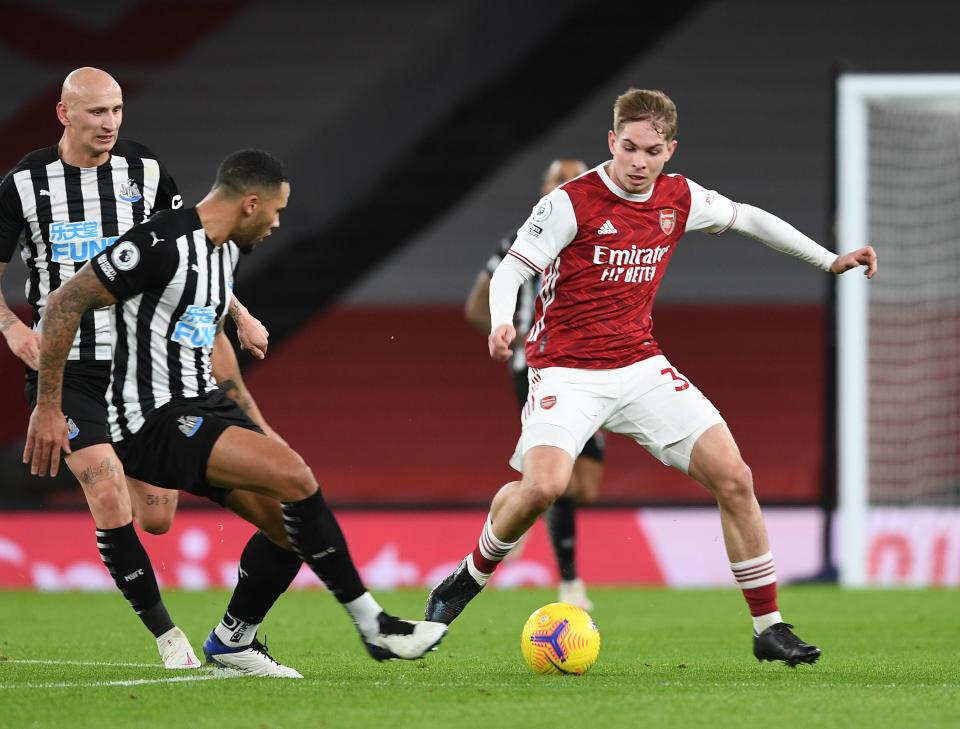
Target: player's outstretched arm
(22, 340)
(226, 371)
(47, 433)
(251, 333)
(865, 256)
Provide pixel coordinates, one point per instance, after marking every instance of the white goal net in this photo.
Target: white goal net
(898, 336)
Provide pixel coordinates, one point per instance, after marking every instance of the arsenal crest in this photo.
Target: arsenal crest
(548, 402)
(668, 219)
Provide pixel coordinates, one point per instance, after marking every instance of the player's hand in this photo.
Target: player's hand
(500, 340)
(253, 335)
(46, 437)
(865, 256)
(24, 343)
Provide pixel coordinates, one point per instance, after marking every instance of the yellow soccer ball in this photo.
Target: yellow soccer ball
(560, 639)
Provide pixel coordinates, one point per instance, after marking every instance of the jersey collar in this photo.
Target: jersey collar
(617, 190)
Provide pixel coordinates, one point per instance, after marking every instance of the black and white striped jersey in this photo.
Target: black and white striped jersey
(62, 216)
(173, 287)
(526, 301)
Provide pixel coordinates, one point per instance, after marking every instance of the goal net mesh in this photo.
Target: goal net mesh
(914, 333)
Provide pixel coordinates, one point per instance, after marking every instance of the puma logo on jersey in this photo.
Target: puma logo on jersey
(606, 229)
(46, 193)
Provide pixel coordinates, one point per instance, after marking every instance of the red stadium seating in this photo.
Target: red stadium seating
(399, 406)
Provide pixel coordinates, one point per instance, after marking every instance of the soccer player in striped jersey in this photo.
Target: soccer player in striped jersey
(170, 283)
(62, 205)
(588, 468)
(602, 243)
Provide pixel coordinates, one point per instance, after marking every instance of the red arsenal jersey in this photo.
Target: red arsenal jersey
(603, 252)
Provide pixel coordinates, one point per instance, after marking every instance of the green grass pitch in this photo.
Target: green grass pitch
(670, 658)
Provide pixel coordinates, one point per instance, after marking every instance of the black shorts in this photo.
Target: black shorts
(173, 446)
(594, 449)
(83, 401)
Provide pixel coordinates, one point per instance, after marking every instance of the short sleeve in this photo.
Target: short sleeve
(552, 225)
(11, 218)
(709, 210)
(168, 195)
(137, 262)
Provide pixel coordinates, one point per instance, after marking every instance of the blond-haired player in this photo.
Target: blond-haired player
(602, 243)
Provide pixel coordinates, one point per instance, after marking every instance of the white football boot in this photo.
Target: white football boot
(175, 650)
(406, 639)
(249, 660)
(574, 592)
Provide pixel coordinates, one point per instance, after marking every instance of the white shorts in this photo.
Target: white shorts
(648, 401)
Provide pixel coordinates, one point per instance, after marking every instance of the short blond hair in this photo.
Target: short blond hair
(646, 105)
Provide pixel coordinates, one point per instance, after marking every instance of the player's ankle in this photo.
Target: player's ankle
(762, 622)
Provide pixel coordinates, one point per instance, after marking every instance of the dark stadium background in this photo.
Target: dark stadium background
(415, 133)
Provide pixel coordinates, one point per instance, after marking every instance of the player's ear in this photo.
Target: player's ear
(611, 140)
(62, 114)
(250, 203)
(671, 148)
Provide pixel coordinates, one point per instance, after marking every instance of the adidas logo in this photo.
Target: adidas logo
(606, 229)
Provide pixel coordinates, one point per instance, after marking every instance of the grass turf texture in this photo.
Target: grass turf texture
(669, 659)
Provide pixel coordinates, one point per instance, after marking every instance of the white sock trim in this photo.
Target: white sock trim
(490, 547)
(752, 562)
(364, 611)
(235, 633)
(754, 572)
(762, 622)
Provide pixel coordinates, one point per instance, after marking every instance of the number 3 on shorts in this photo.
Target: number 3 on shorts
(676, 378)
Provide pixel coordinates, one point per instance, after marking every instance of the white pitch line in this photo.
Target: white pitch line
(129, 682)
(80, 663)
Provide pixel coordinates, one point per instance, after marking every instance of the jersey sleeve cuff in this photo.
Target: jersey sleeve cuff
(523, 259)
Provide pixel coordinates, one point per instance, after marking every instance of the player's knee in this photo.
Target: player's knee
(296, 480)
(735, 483)
(541, 493)
(108, 501)
(153, 524)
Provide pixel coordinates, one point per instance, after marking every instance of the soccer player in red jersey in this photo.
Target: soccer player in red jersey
(602, 243)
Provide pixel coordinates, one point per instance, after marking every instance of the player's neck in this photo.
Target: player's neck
(217, 219)
(77, 156)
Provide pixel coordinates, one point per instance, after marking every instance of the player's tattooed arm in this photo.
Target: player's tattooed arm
(251, 333)
(226, 371)
(61, 318)
(22, 340)
(47, 432)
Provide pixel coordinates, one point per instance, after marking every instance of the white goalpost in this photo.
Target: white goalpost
(898, 336)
